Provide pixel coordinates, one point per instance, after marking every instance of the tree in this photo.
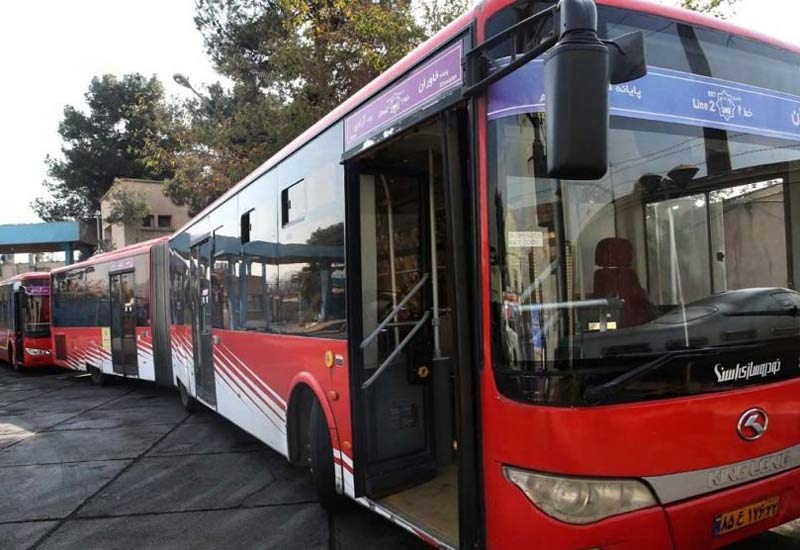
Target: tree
(437, 14)
(127, 207)
(127, 119)
(291, 62)
(717, 8)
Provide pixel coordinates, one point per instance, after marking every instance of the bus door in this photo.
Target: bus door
(19, 327)
(205, 387)
(403, 344)
(124, 356)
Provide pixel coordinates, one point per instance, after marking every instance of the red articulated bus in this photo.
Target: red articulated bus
(110, 315)
(25, 321)
(528, 288)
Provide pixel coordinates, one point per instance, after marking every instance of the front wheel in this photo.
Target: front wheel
(322, 465)
(12, 358)
(98, 378)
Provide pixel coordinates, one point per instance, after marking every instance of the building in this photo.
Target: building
(9, 268)
(145, 212)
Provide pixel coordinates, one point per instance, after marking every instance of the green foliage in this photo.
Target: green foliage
(437, 14)
(717, 8)
(127, 207)
(291, 62)
(126, 120)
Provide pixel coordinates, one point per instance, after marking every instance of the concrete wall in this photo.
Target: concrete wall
(117, 236)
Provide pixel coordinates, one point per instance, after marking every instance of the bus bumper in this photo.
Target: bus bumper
(514, 522)
(40, 359)
(692, 521)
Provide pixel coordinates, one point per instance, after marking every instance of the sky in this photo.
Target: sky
(51, 49)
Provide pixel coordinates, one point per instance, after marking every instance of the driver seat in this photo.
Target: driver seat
(615, 278)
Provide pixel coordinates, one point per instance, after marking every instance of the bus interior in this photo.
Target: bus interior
(407, 342)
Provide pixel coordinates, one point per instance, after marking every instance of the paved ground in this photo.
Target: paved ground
(124, 467)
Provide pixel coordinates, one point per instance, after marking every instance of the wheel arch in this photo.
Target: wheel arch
(304, 390)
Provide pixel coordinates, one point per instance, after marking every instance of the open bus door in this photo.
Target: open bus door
(124, 356)
(406, 330)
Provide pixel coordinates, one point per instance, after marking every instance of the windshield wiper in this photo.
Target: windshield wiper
(597, 395)
(793, 311)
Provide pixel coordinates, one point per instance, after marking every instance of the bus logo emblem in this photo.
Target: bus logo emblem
(752, 424)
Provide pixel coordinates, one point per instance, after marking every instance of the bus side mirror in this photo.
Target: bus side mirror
(576, 80)
(578, 71)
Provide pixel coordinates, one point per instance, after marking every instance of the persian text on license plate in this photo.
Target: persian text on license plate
(747, 515)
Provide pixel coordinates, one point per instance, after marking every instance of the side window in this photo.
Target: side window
(293, 203)
(4, 321)
(311, 241)
(258, 234)
(141, 289)
(180, 299)
(93, 297)
(225, 266)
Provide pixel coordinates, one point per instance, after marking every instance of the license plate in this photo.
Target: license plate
(747, 515)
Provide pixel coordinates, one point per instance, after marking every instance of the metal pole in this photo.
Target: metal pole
(392, 270)
(437, 352)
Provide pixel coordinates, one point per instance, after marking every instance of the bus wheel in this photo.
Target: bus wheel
(322, 465)
(98, 378)
(189, 403)
(12, 358)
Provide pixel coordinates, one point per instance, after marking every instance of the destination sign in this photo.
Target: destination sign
(667, 96)
(417, 91)
(37, 290)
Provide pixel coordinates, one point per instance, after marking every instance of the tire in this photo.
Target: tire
(322, 465)
(12, 358)
(189, 403)
(98, 378)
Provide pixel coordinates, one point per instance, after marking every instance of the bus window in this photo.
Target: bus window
(652, 258)
(35, 301)
(259, 268)
(225, 266)
(311, 242)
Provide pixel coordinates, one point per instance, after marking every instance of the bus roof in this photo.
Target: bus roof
(26, 276)
(126, 252)
(481, 12)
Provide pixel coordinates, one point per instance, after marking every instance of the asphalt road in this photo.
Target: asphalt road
(124, 467)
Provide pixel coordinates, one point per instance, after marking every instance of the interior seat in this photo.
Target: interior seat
(615, 278)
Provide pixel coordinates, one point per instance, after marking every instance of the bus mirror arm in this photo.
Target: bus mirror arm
(627, 57)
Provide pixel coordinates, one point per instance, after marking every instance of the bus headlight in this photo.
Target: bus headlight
(580, 500)
(37, 352)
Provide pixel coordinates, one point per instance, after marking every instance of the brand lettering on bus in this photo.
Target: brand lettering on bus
(746, 371)
(760, 467)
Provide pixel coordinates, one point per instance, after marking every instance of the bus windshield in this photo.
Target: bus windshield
(672, 275)
(35, 302)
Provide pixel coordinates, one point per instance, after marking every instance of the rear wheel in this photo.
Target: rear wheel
(189, 403)
(98, 378)
(322, 465)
